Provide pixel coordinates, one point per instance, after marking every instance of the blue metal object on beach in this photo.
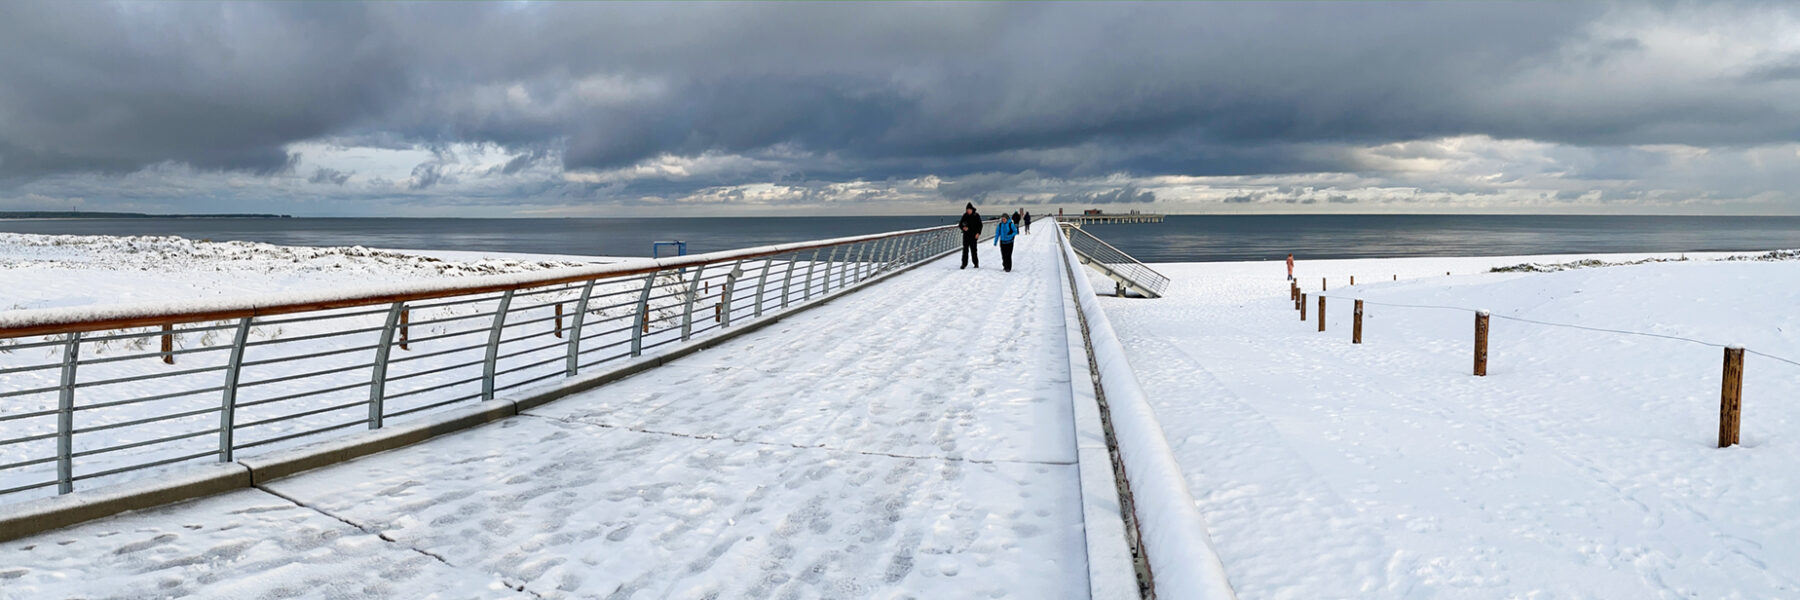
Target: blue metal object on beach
(656, 248)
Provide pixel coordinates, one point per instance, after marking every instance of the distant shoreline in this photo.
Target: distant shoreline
(69, 214)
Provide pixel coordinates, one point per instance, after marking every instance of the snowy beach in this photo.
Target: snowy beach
(50, 271)
(1582, 466)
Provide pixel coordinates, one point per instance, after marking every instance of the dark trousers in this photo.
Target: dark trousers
(1006, 256)
(968, 250)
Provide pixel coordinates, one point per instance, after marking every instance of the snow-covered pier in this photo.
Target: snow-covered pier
(914, 438)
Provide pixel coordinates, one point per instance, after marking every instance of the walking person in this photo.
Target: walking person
(1290, 266)
(1027, 222)
(1003, 237)
(971, 229)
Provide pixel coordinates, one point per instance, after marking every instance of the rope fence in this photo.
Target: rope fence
(1731, 385)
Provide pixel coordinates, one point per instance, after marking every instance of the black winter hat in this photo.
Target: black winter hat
(969, 206)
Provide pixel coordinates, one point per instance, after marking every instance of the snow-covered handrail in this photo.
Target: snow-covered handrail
(1179, 549)
(23, 323)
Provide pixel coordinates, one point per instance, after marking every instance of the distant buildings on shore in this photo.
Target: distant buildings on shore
(75, 214)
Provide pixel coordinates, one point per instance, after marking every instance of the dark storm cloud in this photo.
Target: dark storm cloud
(332, 176)
(983, 93)
(977, 186)
(115, 87)
(426, 175)
(1125, 195)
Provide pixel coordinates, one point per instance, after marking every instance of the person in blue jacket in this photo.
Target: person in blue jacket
(1003, 236)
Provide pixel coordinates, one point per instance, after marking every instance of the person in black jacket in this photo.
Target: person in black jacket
(971, 229)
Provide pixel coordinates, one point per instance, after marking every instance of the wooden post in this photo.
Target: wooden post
(168, 344)
(1352, 280)
(1731, 396)
(1481, 335)
(1356, 328)
(405, 316)
(1396, 277)
(716, 313)
(559, 319)
(1303, 308)
(1321, 313)
(1321, 284)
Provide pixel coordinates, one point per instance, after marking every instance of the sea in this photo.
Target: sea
(1179, 238)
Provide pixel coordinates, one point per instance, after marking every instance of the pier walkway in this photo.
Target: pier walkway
(913, 439)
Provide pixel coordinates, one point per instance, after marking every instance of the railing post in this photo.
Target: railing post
(687, 312)
(830, 262)
(643, 317)
(1321, 313)
(865, 259)
(228, 403)
(581, 310)
(1731, 396)
(810, 265)
(878, 251)
(489, 365)
(65, 416)
(378, 377)
(558, 331)
(787, 283)
(762, 282)
(168, 344)
(1481, 339)
(725, 294)
(854, 266)
(1356, 329)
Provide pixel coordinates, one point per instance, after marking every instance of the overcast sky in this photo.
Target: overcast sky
(604, 109)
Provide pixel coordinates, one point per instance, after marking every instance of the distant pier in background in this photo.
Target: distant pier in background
(1105, 218)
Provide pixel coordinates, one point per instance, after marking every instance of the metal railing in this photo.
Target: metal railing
(88, 396)
(1120, 263)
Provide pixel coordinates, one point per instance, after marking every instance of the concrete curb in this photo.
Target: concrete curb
(46, 514)
(276, 465)
(1112, 574)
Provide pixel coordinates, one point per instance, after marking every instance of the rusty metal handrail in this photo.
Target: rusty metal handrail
(95, 400)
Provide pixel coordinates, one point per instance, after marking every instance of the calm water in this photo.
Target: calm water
(1178, 239)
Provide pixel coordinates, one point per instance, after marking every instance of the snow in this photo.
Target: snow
(1182, 561)
(913, 439)
(1583, 466)
(245, 544)
(916, 438)
(50, 271)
